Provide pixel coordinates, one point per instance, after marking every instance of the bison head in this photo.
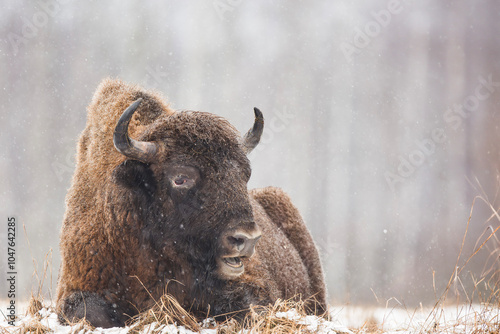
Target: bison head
(191, 171)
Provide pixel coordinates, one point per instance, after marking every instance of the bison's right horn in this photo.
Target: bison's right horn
(139, 150)
(252, 137)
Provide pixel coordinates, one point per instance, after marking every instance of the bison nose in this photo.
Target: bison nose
(242, 243)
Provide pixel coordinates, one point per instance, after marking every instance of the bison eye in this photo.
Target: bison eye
(179, 181)
(182, 177)
(182, 182)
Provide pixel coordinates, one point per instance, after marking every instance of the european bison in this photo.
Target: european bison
(169, 212)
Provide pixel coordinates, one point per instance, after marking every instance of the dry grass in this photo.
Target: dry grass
(34, 328)
(35, 305)
(166, 311)
(371, 325)
(486, 289)
(282, 317)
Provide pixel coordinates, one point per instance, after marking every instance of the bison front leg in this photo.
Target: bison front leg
(92, 307)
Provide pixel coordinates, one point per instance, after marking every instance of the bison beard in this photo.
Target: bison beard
(159, 204)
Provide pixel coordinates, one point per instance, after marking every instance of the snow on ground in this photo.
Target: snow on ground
(344, 319)
(462, 318)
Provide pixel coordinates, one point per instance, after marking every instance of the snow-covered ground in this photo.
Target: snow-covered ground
(344, 319)
(463, 318)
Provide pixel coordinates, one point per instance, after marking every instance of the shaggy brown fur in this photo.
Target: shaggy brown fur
(129, 235)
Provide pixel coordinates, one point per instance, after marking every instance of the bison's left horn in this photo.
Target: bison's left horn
(139, 150)
(252, 137)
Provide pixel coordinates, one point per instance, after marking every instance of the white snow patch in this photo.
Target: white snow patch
(463, 318)
(313, 323)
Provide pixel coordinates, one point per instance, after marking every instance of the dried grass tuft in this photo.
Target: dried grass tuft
(166, 311)
(284, 316)
(34, 327)
(35, 305)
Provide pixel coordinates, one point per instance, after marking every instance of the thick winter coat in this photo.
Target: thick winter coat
(159, 204)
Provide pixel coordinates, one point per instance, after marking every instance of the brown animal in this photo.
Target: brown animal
(169, 211)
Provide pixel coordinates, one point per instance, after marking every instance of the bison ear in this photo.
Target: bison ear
(136, 175)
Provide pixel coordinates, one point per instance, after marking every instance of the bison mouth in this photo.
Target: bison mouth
(234, 262)
(237, 245)
(230, 267)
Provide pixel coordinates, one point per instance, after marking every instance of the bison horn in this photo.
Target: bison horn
(139, 150)
(252, 137)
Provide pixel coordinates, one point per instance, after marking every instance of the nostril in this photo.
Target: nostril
(238, 242)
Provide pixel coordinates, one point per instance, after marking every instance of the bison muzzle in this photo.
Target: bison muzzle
(159, 204)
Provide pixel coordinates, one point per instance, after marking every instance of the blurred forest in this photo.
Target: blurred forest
(382, 121)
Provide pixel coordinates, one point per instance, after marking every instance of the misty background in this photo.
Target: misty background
(381, 122)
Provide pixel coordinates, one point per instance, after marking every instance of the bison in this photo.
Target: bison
(169, 212)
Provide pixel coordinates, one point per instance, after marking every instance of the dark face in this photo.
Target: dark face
(210, 208)
(198, 184)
